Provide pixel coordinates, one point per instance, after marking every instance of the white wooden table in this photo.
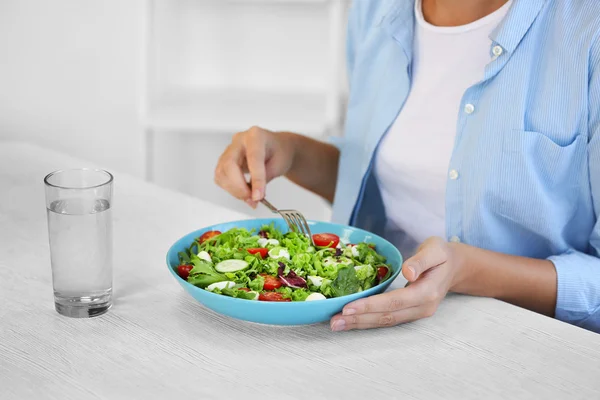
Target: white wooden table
(157, 342)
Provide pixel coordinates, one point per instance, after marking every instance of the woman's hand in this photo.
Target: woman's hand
(266, 155)
(263, 154)
(431, 272)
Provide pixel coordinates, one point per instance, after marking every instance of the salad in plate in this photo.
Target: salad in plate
(270, 265)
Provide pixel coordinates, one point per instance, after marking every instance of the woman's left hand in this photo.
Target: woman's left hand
(431, 272)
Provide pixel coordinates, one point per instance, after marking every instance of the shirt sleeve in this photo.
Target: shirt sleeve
(352, 41)
(352, 32)
(578, 297)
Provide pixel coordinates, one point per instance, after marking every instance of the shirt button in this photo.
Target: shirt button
(469, 108)
(453, 174)
(455, 239)
(497, 50)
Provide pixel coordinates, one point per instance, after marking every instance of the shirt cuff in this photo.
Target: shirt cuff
(578, 289)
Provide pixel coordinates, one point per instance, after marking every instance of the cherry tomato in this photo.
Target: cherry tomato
(381, 272)
(260, 250)
(208, 235)
(245, 289)
(184, 271)
(326, 239)
(271, 282)
(272, 296)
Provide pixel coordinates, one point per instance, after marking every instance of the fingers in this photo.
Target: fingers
(430, 254)
(428, 271)
(380, 320)
(420, 300)
(255, 158)
(229, 176)
(394, 300)
(246, 153)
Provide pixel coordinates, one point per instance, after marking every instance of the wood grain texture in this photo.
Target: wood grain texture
(157, 342)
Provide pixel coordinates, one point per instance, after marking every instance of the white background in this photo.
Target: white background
(87, 78)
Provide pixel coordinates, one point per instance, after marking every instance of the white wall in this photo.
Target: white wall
(256, 47)
(253, 44)
(69, 77)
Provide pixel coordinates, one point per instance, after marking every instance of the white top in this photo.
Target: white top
(158, 343)
(413, 158)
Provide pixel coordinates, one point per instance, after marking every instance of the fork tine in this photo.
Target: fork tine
(287, 221)
(285, 216)
(289, 214)
(292, 218)
(308, 231)
(302, 224)
(298, 222)
(306, 227)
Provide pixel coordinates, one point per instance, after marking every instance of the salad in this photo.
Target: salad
(269, 265)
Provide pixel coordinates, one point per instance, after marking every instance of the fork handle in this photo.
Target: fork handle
(269, 205)
(265, 202)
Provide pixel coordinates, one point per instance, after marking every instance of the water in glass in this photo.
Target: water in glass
(80, 231)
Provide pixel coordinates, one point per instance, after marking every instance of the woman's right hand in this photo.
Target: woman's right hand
(262, 153)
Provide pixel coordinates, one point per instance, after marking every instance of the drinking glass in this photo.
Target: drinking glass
(78, 204)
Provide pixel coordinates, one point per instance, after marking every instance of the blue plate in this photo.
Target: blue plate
(288, 313)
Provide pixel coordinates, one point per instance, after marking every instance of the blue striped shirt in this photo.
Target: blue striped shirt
(528, 156)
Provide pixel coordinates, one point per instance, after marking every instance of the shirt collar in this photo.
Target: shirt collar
(399, 20)
(517, 22)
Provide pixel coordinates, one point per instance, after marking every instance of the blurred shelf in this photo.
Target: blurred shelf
(227, 110)
(292, 79)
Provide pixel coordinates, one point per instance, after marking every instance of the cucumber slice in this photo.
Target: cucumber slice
(231, 266)
(256, 294)
(220, 285)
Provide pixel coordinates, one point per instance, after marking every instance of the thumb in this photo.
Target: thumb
(430, 255)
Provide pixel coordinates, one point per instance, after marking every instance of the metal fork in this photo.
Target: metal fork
(294, 219)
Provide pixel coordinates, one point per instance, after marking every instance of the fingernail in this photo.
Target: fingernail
(251, 203)
(348, 311)
(411, 270)
(338, 325)
(256, 195)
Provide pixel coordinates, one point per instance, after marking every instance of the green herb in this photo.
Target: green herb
(346, 282)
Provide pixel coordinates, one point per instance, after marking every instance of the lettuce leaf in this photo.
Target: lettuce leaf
(300, 294)
(326, 289)
(365, 273)
(295, 243)
(346, 282)
(240, 294)
(285, 291)
(257, 283)
(304, 264)
(272, 233)
(203, 274)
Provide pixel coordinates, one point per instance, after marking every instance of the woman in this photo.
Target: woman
(473, 129)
